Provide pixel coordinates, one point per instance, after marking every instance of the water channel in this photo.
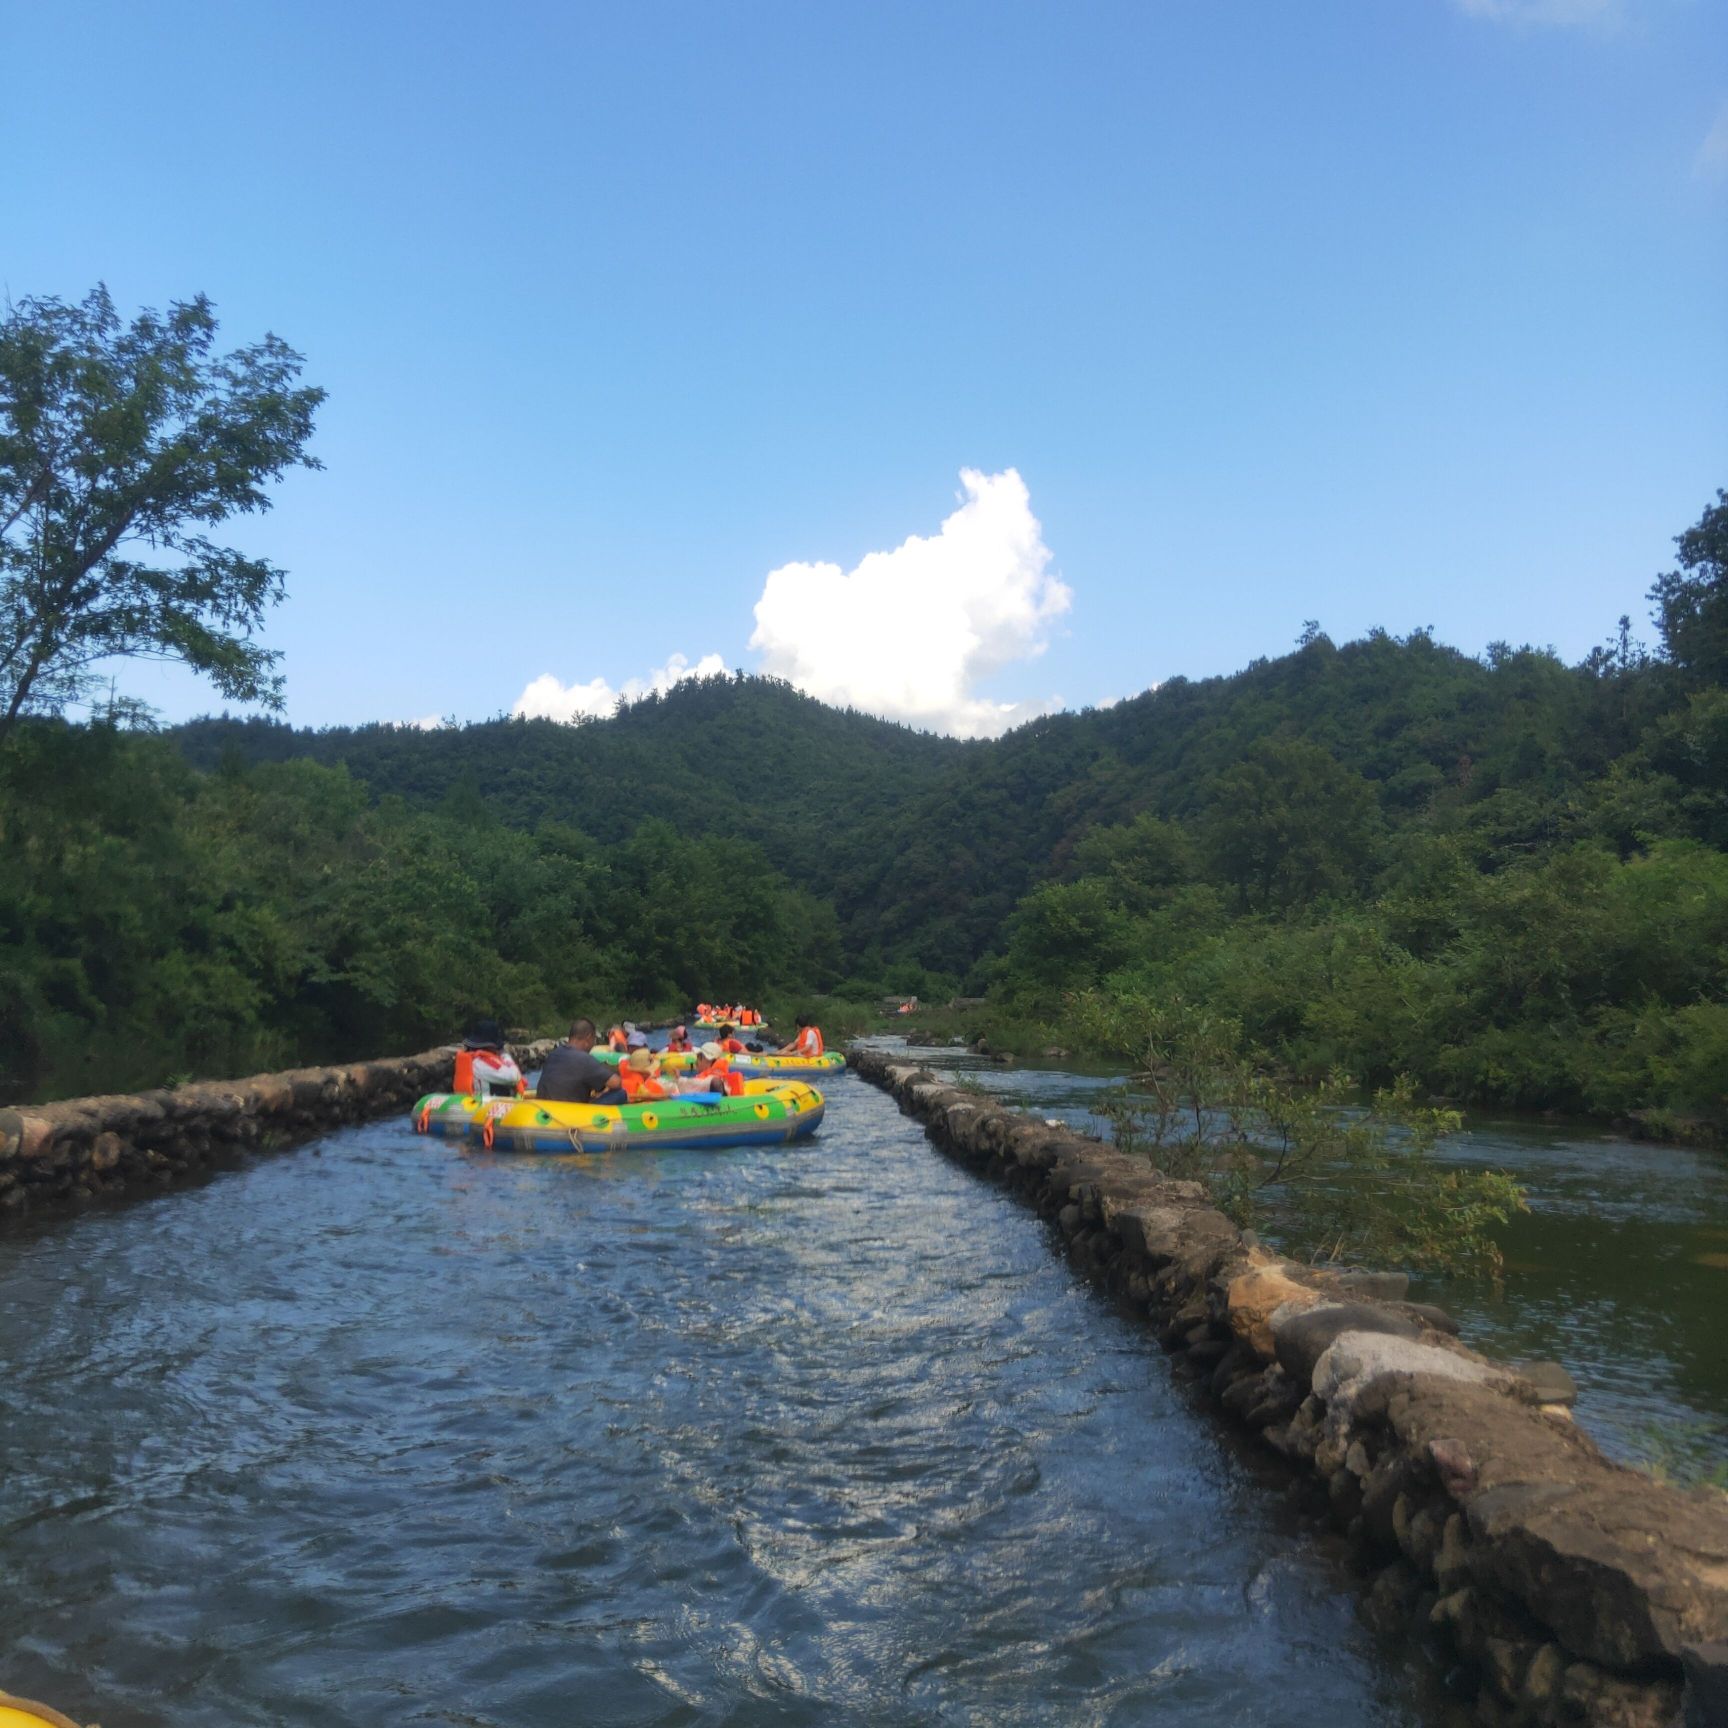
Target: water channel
(377, 1433)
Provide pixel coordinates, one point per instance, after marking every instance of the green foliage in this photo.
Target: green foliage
(1336, 1180)
(156, 921)
(1692, 602)
(119, 445)
(1289, 825)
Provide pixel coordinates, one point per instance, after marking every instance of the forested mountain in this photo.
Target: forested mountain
(744, 758)
(924, 845)
(1505, 874)
(721, 754)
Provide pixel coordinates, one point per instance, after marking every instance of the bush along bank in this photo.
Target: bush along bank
(75, 1150)
(1571, 1589)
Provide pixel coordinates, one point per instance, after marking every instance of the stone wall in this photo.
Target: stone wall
(1563, 1588)
(72, 1151)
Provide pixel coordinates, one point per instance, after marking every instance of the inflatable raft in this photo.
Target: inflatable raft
(21, 1713)
(770, 1113)
(750, 1065)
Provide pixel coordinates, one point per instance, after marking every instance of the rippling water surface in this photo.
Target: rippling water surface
(379, 1433)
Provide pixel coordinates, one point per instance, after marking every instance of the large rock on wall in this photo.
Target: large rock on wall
(75, 1149)
(1576, 1590)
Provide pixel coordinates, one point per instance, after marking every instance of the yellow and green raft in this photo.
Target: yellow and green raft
(749, 1065)
(770, 1113)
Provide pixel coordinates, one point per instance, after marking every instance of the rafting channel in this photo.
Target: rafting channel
(381, 1432)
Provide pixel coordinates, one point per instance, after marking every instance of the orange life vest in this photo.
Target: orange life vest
(809, 1042)
(722, 1070)
(640, 1088)
(501, 1073)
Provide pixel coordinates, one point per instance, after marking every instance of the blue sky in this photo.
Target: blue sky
(1408, 313)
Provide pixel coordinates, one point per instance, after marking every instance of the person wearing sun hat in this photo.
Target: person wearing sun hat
(636, 1074)
(678, 1044)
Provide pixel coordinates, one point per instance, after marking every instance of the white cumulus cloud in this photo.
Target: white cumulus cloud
(909, 633)
(545, 698)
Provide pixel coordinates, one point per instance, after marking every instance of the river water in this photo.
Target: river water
(380, 1433)
(1619, 1270)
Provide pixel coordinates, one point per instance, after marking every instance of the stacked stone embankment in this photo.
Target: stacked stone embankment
(80, 1148)
(1561, 1587)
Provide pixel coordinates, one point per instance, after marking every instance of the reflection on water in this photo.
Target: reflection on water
(377, 1433)
(1619, 1270)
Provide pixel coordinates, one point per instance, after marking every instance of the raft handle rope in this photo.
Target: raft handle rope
(489, 1122)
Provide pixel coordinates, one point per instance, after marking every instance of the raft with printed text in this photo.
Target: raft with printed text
(769, 1113)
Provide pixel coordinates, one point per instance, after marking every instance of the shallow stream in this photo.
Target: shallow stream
(380, 1433)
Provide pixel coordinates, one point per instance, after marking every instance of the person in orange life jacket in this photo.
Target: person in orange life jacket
(484, 1067)
(808, 1043)
(730, 1043)
(636, 1074)
(617, 1039)
(712, 1064)
(679, 1043)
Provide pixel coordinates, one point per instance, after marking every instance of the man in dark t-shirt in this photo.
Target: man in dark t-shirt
(573, 1074)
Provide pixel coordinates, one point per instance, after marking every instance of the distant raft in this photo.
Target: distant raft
(770, 1113)
(750, 1065)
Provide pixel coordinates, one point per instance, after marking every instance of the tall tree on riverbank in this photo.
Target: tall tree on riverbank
(1692, 602)
(119, 445)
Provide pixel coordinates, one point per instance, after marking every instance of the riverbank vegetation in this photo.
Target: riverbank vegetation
(1333, 1175)
(158, 921)
(1503, 876)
